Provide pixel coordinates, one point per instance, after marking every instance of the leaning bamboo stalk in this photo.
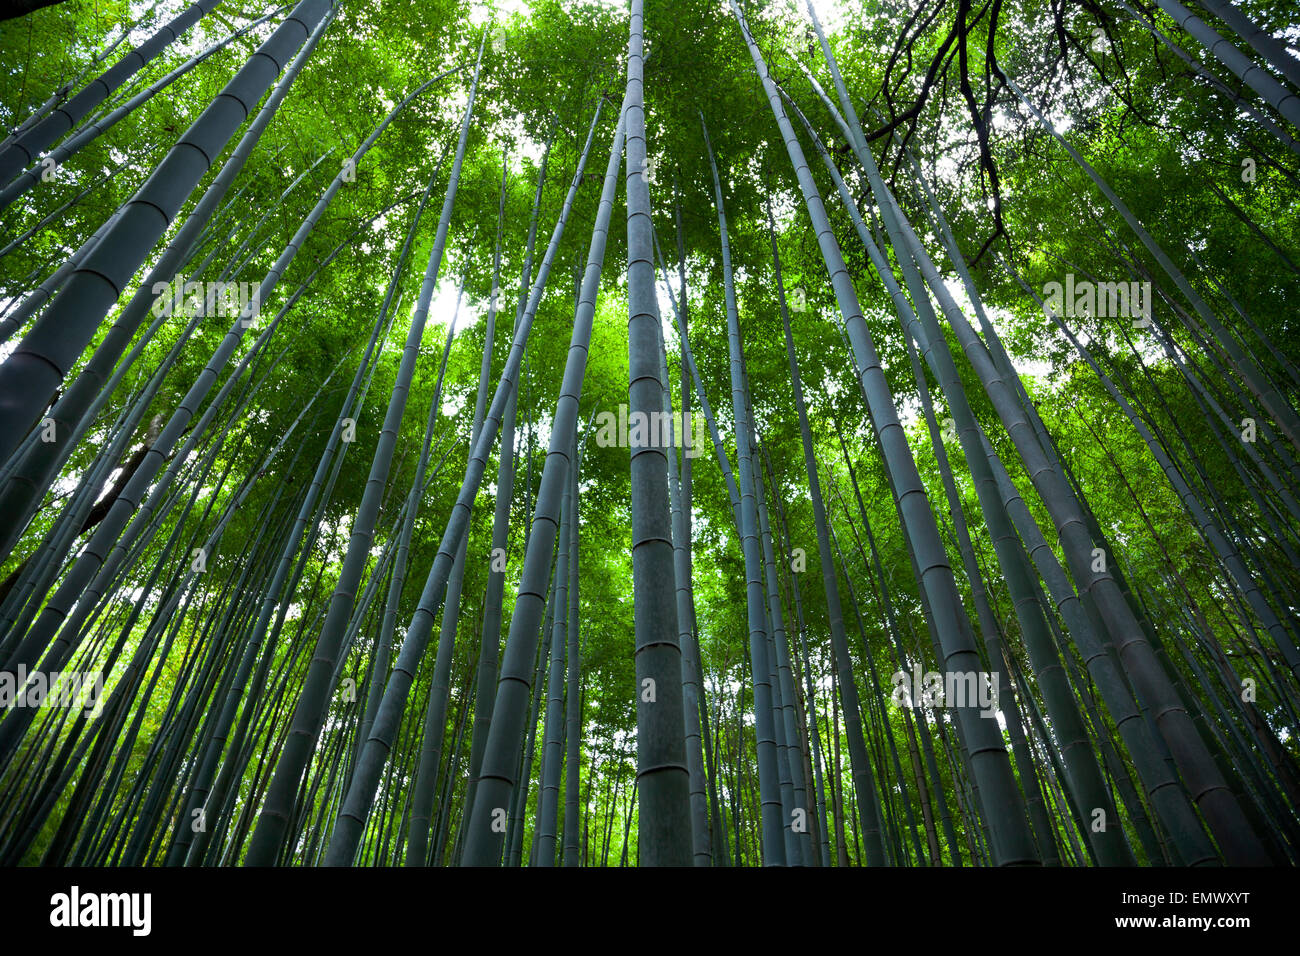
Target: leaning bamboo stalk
(39, 466)
(1269, 89)
(90, 131)
(34, 371)
(1007, 823)
(347, 830)
(313, 701)
(25, 147)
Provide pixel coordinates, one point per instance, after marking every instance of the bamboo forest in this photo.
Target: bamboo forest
(612, 433)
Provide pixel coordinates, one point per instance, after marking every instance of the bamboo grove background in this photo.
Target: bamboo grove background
(366, 586)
